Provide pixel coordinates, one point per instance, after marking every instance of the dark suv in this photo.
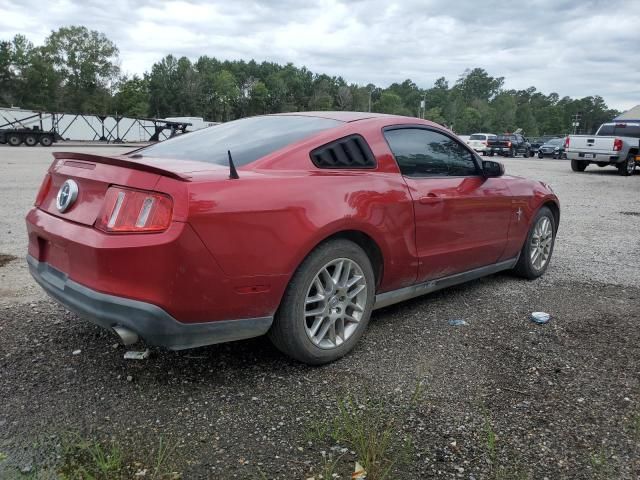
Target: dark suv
(509, 145)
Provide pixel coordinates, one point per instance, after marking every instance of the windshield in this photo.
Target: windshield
(477, 137)
(506, 137)
(556, 141)
(248, 139)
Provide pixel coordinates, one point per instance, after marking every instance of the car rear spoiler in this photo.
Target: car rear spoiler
(121, 161)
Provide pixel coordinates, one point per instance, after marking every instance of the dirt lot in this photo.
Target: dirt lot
(498, 398)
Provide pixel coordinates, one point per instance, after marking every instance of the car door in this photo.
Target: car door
(461, 217)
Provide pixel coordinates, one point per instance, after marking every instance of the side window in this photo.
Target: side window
(426, 153)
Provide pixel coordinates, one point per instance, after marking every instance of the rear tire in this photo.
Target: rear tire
(578, 165)
(525, 154)
(293, 326)
(512, 153)
(627, 167)
(46, 140)
(540, 155)
(30, 140)
(14, 139)
(536, 252)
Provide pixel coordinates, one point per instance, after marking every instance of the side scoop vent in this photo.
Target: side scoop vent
(348, 152)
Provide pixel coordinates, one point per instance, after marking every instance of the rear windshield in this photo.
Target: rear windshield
(477, 137)
(248, 139)
(620, 130)
(506, 137)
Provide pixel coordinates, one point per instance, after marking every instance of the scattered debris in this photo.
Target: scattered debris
(457, 322)
(540, 317)
(76, 352)
(359, 472)
(4, 259)
(137, 355)
(631, 214)
(129, 378)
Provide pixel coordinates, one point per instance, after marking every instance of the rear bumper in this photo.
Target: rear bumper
(593, 157)
(150, 322)
(481, 148)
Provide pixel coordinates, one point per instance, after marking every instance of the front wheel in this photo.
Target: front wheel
(540, 155)
(538, 248)
(627, 167)
(327, 305)
(578, 165)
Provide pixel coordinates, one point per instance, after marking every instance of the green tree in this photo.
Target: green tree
(87, 62)
(132, 98)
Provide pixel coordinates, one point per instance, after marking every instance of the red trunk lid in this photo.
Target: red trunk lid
(95, 173)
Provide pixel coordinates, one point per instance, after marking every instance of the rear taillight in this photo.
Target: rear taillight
(617, 145)
(567, 141)
(134, 211)
(509, 144)
(44, 189)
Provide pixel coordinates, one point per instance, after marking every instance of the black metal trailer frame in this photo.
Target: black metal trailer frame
(16, 132)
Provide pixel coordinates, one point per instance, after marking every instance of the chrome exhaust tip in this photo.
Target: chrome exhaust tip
(128, 337)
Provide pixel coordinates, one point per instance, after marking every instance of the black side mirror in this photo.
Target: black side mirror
(492, 169)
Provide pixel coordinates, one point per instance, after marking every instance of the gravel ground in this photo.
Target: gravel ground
(500, 397)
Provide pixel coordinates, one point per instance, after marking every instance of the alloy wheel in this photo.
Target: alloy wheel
(631, 165)
(334, 303)
(541, 243)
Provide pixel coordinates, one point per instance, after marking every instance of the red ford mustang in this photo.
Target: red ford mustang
(296, 225)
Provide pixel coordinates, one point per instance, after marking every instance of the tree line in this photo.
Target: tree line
(77, 70)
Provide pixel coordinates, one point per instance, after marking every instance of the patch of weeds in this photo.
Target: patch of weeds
(4, 259)
(161, 464)
(601, 465)
(498, 472)
(490, 442)
(635, 426)
(372, 434)
(316, 431)
(418, 392)
(83, 459)
(328, 468)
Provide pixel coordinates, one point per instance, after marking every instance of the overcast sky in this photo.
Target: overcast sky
(574, 48)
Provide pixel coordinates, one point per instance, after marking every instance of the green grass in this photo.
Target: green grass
(366, 429)
(601, 465)
(87, 459)
(498, 471)
(635, 426)
(84, 459)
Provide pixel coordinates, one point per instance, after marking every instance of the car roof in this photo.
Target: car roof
(339, 115)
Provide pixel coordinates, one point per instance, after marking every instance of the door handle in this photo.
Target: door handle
(430, 198)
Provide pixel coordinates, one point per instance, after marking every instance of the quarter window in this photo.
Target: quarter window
(426, 153)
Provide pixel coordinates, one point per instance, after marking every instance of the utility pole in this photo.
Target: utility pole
(370, 92)
(575, 121)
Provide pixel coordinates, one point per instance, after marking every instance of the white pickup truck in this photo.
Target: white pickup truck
(615, 143)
